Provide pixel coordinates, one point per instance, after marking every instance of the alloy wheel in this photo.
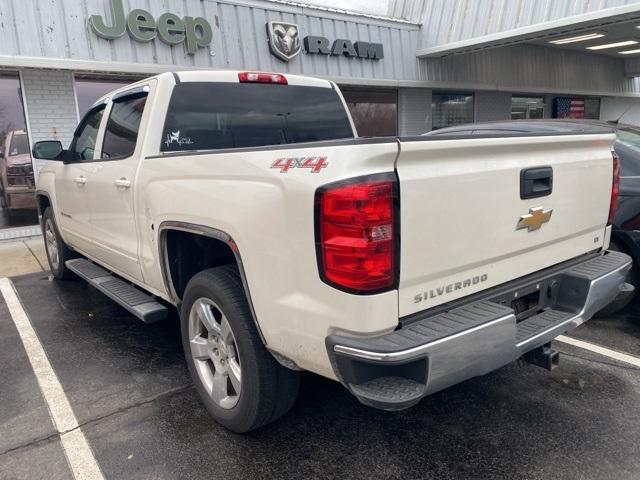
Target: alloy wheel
(51, 244)
(215, 353)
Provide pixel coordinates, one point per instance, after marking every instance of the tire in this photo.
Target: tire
(622, 302)
(240, 383)
(57, 251)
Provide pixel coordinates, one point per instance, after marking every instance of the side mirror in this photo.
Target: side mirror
(47, 150)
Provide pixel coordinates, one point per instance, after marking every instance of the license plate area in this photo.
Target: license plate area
(526, 301)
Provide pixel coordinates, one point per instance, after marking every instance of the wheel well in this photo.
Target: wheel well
(43, 203)
(189, 253)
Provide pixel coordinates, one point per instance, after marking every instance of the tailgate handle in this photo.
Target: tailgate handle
(536, 182)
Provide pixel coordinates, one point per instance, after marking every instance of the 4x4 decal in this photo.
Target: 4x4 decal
(315, 164)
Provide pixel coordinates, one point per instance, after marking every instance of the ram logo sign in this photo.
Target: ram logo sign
(284, 43)
(284, 40)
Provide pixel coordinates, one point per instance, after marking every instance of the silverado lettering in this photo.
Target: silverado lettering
(433, 293)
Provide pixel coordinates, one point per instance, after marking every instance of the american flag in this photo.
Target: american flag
(569, 107)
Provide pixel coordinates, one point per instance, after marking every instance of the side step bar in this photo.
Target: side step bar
(135, 301)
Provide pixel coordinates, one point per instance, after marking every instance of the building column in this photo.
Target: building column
(414, 111)
(50, 106)
(491, 106)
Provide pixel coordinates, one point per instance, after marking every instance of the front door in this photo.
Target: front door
(72, 180)
(111, 189)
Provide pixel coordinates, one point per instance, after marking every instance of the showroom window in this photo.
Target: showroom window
(576, 107)
(374, 112)
(17, 183)
(524, 108)
(592, 108)
(88, 90)
(449, 109)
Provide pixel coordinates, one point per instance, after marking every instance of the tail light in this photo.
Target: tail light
(615, 188)
(262, 77)
(356, 233)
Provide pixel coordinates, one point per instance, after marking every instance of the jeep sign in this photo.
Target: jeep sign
(142, 27)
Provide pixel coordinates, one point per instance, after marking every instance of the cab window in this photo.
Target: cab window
(84, 140)
(122, 128)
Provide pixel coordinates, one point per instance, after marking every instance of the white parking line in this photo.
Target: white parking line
(622, 357)
(78, 452)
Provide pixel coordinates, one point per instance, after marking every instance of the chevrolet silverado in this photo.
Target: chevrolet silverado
(397, 266)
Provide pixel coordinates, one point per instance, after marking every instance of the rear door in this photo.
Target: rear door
(466, 225)
(111, 187)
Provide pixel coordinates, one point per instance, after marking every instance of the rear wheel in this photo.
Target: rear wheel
(238, 380)
(57, 251)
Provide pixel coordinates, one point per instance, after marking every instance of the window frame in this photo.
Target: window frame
(100, 107)
(140, 91)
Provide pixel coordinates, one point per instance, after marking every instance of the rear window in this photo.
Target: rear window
(214, 115)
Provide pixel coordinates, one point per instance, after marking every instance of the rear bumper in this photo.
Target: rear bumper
(394, 371)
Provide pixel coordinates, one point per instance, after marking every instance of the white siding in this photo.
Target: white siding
(529, 68)
(59, 29)
(448, 21)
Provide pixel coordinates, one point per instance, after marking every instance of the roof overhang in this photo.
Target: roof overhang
(539, 31)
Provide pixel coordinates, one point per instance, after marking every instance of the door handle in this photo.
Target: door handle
(122, 183)
(80, 180)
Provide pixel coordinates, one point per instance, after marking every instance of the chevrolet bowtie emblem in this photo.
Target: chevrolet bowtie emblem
(534, 219)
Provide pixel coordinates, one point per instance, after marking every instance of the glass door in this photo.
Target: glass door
(525, 108)
(17, 183)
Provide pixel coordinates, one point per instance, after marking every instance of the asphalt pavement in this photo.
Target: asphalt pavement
(128, 386)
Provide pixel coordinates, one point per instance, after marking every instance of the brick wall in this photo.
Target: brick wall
(414, 111)
(51, 105)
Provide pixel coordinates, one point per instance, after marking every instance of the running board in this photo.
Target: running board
(129, 297)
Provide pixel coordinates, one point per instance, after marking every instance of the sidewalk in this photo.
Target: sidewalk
(19, 257)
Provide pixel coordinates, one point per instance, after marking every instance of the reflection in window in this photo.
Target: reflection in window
(374, 112)
(17, 183)
(86, 136)
(88, 90)
(592, 108)
(122, 128)
(523, 108)
(451, 109)
(11, 110)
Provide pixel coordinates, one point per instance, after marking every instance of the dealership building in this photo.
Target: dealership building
(427, 64)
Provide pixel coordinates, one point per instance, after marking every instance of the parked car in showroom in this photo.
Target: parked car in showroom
(17, 184)
(397, 266)
(625, 235)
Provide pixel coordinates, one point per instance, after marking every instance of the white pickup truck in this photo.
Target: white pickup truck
(397, 266)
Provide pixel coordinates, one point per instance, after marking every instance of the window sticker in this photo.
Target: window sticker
(175, 138)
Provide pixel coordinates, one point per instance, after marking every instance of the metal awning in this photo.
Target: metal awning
(615, 25)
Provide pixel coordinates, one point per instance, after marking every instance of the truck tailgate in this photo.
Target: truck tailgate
(461, 205)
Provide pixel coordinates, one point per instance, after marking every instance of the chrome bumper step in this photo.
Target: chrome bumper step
(135, 301)
(395, 370)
